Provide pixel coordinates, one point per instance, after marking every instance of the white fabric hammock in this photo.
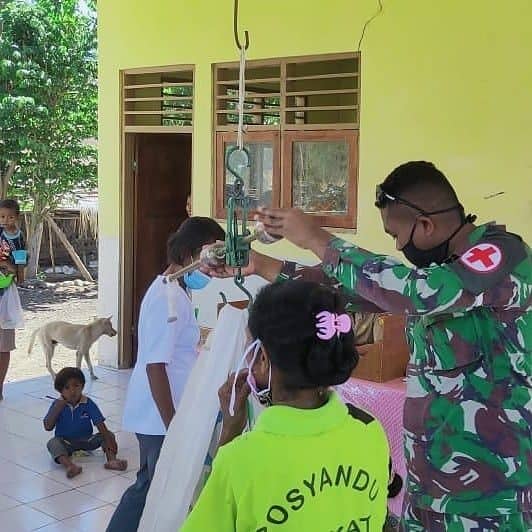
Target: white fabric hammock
(190, 434)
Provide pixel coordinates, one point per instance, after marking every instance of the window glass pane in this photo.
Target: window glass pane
(320, 173)
(258, 178)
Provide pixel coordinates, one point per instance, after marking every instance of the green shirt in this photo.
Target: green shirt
(321, 470)
(467, 416)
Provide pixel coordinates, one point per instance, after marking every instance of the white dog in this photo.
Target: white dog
(77, 337)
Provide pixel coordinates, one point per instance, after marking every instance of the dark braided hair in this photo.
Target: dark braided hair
(283, 318)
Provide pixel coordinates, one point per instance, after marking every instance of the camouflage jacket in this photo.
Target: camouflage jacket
(468, 411)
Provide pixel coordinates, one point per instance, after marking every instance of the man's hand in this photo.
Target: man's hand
(222, 270)
(266, 267)
(234, 425)
(299, 228)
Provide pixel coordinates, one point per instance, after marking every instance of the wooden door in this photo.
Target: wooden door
(162, 177)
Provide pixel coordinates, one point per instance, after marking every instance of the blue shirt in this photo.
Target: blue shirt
(76, 422)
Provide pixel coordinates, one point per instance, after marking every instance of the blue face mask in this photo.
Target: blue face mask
(196, 280)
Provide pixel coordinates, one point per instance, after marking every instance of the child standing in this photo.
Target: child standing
(73, 416)
(310, 462)
(11, 243)
(167, 351)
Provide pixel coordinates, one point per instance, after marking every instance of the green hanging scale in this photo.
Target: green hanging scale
(238, 236)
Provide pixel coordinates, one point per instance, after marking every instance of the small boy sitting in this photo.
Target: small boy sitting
(73, 416)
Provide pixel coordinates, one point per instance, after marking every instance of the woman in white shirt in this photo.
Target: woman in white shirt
(165, 356)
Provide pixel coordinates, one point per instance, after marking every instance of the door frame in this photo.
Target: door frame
(127, 246)
(126, 212)
(127, 252)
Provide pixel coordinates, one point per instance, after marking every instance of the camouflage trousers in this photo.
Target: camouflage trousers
(418, 520)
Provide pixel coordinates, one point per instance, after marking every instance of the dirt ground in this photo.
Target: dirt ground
(73, 300)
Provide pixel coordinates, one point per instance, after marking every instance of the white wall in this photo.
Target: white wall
(108, 296)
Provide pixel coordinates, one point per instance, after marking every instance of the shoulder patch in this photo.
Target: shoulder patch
(359, 414)
(490, 262)
(482, 258)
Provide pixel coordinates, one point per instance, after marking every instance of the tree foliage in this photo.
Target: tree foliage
(48, 100)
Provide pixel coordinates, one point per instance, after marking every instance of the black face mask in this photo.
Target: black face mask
(422, 258)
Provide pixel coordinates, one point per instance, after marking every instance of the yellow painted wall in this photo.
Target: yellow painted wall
(443, 80)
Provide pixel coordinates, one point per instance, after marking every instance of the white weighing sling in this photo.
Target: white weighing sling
(189, 436)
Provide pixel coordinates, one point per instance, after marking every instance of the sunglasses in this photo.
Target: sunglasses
(383, 198)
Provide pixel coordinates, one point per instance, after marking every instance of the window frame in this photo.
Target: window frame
(153, 80)
(258, 137)
(284, 134)
(345, 221)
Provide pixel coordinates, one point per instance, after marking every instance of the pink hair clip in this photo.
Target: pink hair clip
(328, 324)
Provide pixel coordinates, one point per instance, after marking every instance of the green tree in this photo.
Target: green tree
(48, 105)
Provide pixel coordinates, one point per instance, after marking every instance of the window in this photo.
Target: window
(158, 99)
(262, 102)
(261, 179)
(302, 121)
(320, 169)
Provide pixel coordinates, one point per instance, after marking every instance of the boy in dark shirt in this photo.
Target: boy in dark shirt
(73, 416)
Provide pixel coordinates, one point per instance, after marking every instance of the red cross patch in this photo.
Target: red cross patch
(482, 258)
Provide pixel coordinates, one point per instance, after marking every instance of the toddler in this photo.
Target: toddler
(11, 243)
(73, 416)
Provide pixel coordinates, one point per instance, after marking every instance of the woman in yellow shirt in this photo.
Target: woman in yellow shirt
(311, 463)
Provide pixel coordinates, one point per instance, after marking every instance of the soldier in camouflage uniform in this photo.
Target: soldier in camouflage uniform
(467, 417)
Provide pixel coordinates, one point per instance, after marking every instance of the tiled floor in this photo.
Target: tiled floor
(34, 491)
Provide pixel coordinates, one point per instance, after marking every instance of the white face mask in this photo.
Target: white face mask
(263, 396)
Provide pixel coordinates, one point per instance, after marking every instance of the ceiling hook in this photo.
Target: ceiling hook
(235, 30)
